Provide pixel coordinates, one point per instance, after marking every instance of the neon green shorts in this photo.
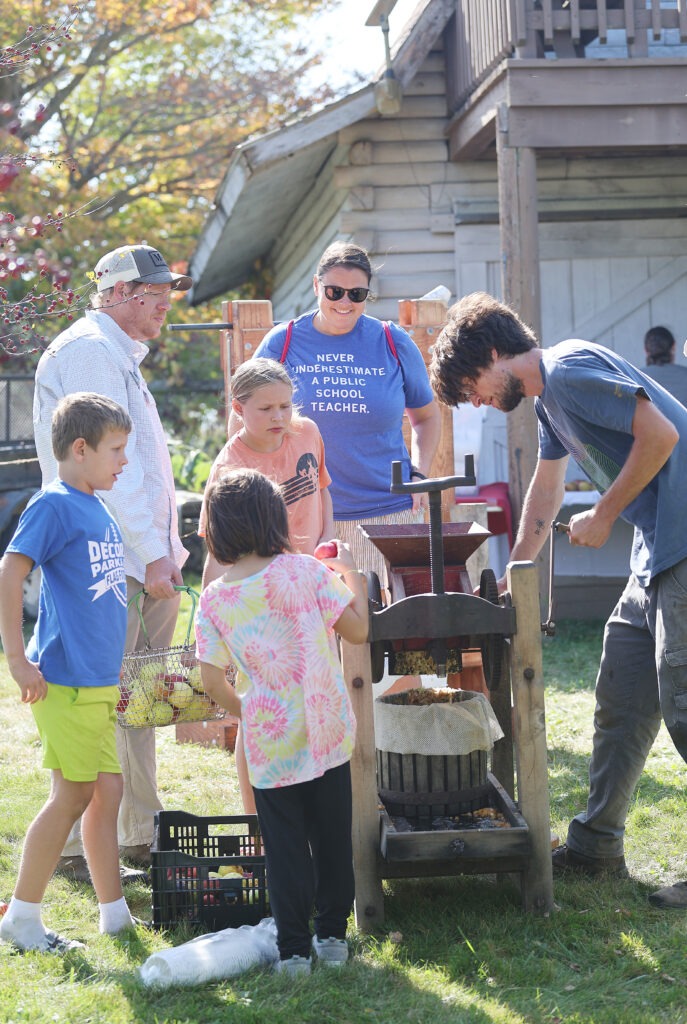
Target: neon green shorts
(77, 730)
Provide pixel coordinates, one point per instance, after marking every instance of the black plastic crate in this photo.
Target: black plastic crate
(189, 852)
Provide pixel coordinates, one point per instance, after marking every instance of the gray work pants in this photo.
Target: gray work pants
(642, 678)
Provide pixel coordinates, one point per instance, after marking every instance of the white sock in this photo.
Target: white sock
(115, 917)
(22, 925)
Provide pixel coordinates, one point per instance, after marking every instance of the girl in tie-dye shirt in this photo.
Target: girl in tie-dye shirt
(273, 615)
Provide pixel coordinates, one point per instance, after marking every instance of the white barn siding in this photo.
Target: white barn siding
(378, 190)
(640, 280)
(608, 250)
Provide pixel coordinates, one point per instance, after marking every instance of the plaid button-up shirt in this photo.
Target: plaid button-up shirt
(94, 354)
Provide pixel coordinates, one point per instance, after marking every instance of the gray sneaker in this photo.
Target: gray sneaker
(293, 965)
(672, 896)
(332, 952)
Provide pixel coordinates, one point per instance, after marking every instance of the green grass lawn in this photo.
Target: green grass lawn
(451, 950)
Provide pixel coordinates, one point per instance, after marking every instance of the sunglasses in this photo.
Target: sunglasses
(334, 293)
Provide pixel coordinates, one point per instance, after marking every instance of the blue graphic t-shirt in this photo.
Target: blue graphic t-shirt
(586, 410)
(81, 627)
(356, 391)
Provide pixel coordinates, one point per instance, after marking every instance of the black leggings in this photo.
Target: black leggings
(306, 829)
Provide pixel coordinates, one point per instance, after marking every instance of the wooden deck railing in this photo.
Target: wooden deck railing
(479, 36)
(483, 32)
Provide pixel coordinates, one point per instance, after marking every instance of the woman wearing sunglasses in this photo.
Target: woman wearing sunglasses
(355, 377)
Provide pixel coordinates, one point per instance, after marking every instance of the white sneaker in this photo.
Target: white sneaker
(293, 965)
(332, 952)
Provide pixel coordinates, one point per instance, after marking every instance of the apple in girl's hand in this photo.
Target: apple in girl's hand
(328, 549)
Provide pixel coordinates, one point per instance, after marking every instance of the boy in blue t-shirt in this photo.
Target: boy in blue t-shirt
(69, 672)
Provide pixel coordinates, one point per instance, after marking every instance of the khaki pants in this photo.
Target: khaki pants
(136, 747)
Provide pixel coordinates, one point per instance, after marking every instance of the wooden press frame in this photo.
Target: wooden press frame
(525, 722)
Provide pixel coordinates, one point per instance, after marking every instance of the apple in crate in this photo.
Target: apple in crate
(225, 870)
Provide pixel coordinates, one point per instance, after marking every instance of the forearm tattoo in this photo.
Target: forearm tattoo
(539, 526)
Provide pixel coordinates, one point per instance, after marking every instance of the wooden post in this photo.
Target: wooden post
(525, 36)
(517, 169)
(369, 899)
(423, 319)
(251, 319)
(529, 731)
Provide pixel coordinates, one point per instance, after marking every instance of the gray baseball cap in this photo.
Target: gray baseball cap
(137, 263)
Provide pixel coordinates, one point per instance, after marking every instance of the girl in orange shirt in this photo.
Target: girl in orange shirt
(287, 448)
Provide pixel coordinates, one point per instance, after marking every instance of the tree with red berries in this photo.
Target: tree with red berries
(116, 124)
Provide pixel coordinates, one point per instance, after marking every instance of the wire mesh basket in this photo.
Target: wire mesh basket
(162, 686)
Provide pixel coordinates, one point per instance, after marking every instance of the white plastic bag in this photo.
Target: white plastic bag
(214, 956)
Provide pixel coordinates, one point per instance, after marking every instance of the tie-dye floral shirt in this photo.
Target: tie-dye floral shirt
(277, 627)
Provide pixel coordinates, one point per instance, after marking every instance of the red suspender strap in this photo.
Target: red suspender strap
(287, 342)
(390, 340)
(387, 330)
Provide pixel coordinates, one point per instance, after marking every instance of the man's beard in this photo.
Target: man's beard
(511, 394)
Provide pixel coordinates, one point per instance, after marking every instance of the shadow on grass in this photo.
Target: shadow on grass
(454, 951)
(361, 990)
(575, 965)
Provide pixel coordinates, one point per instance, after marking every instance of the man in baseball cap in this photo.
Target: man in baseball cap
(139, 263)
(102, 352)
